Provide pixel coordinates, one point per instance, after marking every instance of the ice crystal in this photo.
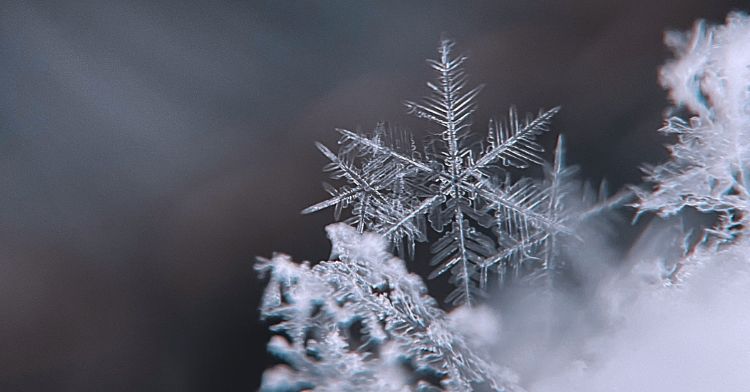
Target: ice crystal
(394, 189)
(362, 322)
(710, 78)
(568, 202)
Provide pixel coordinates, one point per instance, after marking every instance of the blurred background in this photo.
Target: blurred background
(150, 150)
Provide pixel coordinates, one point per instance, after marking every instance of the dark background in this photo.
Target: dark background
(148, 151)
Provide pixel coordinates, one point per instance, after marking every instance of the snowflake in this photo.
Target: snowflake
(391, 187)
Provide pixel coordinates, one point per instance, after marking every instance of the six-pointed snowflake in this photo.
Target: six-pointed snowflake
(391, 187)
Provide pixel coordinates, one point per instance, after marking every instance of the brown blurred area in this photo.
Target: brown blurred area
(149, 150)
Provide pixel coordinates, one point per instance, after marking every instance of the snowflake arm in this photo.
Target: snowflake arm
(513, 143)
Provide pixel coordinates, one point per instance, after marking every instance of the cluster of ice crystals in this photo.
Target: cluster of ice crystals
(708, 171)
(362, 322)
(710, 78)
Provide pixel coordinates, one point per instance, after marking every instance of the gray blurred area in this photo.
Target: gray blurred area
(149, 150)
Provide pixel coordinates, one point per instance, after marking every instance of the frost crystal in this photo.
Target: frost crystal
(363, 323)
(569, 203)
(710, 78)
(392, 188)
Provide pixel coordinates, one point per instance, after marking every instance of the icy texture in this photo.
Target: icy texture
(393, 189)
(710, 78)
(364, 323)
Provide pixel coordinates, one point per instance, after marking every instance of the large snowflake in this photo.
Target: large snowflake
(457, 184)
